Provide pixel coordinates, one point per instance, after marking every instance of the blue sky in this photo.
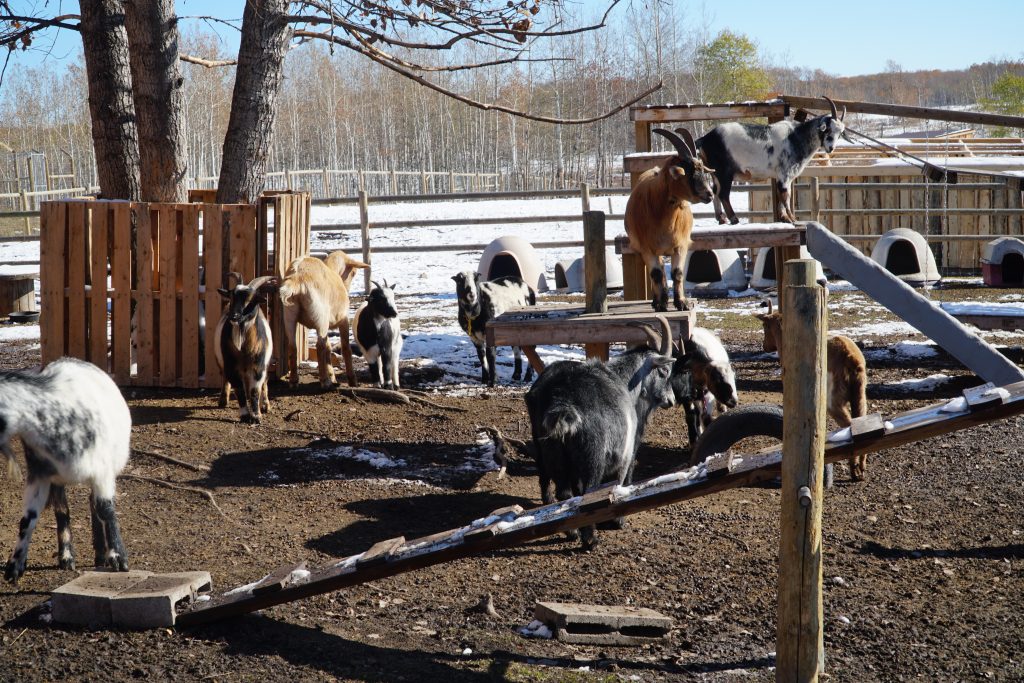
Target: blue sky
(864, 35)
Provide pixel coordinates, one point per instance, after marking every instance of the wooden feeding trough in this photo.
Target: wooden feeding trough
(98, 283)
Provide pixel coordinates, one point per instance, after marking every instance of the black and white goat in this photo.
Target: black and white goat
(779, 151)
(244, 346)
(76, 429)
(378, 333)
(481, 302)
(588, 418)
(713, 380)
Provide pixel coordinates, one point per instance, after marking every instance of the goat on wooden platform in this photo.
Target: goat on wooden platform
(658, 216)
(847, 379)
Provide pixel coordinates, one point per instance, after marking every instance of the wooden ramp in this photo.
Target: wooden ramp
(514, 526)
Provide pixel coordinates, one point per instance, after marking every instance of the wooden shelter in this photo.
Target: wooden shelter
(133, 306)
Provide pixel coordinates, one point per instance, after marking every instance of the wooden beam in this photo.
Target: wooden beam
(671, 113)
(595, 275)
(800, 640)
(905, 111)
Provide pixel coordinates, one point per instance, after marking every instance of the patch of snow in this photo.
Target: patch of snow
(840, 436)
(926, 384)
(536, 629)
(957, 405)
(298, 576)
(247, 587)
(19, 332)
(997, 391)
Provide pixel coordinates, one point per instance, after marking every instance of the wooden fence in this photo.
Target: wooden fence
(135, 311)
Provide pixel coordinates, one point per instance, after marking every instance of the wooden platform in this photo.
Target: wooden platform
(569, 324)
(988, 317)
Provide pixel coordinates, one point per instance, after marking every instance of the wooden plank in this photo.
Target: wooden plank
(380, 551)
(76, 260)
(190, 296)
(867, 427)
(982, 396)
(166, 327)
(101, 227)
(52, 273)
(242, 256)
(505, 514)
(580, 330)
(213, 244)
(599, 498)
(278, 578)
(121, 274)
(910, 426)
(144, 297)
(906, 111)
(742, 237)
(706, 112)
(800, 638)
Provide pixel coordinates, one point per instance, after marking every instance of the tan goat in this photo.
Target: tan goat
(314, 293)
(658, 217)
(847, 379)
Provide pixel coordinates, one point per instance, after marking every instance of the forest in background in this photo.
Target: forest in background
(339, 111)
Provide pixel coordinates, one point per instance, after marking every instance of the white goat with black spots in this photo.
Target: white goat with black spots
(378, 334)
(713, 379)
(779, 151)
(481, 302)
(76, 429)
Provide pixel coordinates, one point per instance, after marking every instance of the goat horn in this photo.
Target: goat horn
(666, 336)
(681, 149)
(264, 281)
(688, 139)
(832, 105)
(237, 279)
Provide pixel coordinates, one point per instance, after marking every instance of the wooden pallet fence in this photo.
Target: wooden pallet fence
(134, 310)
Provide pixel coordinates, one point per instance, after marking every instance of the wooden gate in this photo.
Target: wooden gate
(135, 309)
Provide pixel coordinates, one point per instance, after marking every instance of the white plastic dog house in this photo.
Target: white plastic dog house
(512, 255)
(763, 275)
(569, 275)
(905, 254)
(714, 273)
(1002, 262)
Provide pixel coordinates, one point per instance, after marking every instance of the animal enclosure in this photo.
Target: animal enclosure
(134, 304)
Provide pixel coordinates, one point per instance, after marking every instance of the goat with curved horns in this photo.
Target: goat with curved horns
(780, 151)
(658, 216)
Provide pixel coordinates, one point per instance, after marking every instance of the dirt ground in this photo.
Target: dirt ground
(923, 561)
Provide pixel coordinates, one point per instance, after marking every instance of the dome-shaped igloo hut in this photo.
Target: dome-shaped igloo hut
(570, 275)
(1002, 262)
(905, 254)
(764, 276)
(713, 272)
(512, 255)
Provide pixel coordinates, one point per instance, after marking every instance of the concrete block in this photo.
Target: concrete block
(602, 624)
(150, 603)
(133, 599)
(86, 599)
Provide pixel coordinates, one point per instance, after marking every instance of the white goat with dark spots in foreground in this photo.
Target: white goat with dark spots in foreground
(481, 302)
(76, 429)
(713, 379)
(244, 346)
(779, 151)
(378, 333)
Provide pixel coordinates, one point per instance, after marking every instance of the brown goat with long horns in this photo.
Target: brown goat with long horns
(658, 216)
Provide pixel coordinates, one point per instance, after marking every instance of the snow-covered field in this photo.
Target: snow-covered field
(427, 294)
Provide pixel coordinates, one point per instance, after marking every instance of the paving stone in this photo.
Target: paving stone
(86, 599)
(603, 624)
(150, 603)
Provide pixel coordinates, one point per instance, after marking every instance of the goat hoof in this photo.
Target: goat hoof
(572, 535)
(612, 525)
(734, 221)
(118, 563)
(13, 571)
(66, 563)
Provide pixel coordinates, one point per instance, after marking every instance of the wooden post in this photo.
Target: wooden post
(394, 182)
(635, 278)
(324, 182)
(595, 274)
(815, 199)
(24, 207)
(800, 645)
(423, 187)
(364, 228)
(451, 182)
(585, 196)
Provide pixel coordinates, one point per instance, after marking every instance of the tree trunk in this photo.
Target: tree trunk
(111, 107)
(152, 29)
(258, 76)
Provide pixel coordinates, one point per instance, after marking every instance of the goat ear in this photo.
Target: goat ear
(455, 278)
(225, 294)
(677, 171)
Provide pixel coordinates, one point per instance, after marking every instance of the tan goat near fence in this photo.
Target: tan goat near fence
(314, 293)
(847, 379)
(658, 217)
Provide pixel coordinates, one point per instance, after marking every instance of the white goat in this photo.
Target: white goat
(76, 428)
(779, 151)
(314, 293)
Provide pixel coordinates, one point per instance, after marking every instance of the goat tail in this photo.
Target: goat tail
(285, 293)
(561, 421)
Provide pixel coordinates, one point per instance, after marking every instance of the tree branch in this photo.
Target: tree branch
(208, 63)
(466, 100)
